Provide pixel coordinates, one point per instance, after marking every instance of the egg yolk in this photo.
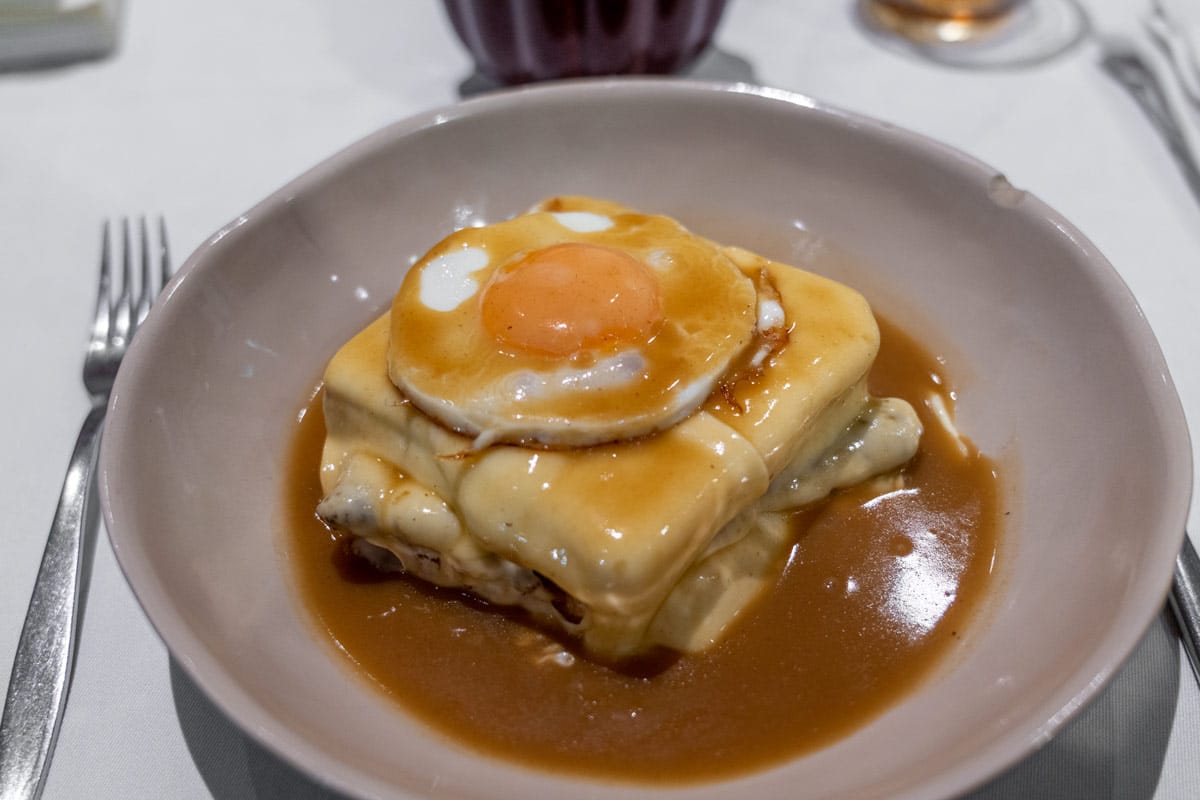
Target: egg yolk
(571, 297)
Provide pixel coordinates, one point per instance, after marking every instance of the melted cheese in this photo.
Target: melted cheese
(658, 540)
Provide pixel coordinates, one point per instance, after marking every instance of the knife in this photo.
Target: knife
(1162, 105)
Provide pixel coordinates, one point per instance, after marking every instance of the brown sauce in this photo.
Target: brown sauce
(872, 595)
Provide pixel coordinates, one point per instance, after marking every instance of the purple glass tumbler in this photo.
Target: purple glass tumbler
(518, 41)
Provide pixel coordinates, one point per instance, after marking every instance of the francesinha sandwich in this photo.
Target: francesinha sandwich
(597, 416)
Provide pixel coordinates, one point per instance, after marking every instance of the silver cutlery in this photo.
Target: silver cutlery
(41, 671)
(1173, 36)
(1162, 108)
(1159, 103)
(1185, 601)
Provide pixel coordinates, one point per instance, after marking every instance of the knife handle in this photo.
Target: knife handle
(1185, 602)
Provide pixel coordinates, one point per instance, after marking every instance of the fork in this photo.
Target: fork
(41, 672)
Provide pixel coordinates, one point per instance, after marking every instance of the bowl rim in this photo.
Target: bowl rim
(205, 670)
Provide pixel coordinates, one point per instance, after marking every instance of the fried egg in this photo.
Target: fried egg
(579, 323)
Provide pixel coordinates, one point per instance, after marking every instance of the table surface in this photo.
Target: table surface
(209, 105)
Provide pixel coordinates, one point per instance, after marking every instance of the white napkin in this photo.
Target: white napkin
(37, 32)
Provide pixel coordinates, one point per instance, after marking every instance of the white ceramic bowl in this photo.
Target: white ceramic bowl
(1060, 379)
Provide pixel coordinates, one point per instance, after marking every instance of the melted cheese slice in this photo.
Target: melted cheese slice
(660, 540)
(817, 382)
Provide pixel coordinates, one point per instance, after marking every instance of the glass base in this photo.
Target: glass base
(1035, 31)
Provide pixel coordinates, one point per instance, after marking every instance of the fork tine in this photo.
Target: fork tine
(126, 261)
(101, 319)
(147, 290)
(122, 327)
(164, 254)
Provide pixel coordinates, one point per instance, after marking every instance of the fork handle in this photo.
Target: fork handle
(37, 688)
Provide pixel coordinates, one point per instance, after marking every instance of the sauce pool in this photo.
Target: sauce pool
(875, 591)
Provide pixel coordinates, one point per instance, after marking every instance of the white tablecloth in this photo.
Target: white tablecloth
(208, 105)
